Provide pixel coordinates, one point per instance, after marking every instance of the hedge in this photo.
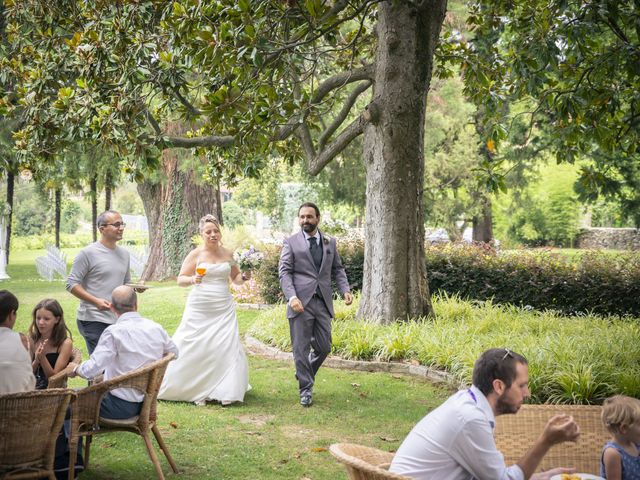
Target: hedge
(593, 282)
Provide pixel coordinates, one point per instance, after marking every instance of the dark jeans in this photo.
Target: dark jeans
(116, 408)
(91, 332)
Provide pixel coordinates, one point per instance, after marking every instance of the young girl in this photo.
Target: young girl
(49, 340)
(621, 456)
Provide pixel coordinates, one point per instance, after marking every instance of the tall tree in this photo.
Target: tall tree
(259, 76)
(577, 65)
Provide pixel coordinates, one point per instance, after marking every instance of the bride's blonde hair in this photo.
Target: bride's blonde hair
(208, 218)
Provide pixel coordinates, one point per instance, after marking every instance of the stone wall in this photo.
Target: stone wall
(613, 238)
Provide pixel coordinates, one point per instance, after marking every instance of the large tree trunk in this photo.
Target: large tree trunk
(58, 207)
(11, 180)
(173, 209)
(395, 280)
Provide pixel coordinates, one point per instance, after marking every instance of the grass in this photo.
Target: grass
(573, 360)
(268, 437)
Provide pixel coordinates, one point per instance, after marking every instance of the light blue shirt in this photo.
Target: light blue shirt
(455, 442)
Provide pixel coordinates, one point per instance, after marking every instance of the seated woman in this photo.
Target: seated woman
(49, 341)
(51, 346)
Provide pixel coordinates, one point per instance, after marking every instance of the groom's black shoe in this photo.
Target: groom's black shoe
(306, 400)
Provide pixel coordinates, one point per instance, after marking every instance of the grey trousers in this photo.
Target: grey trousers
(310, 330)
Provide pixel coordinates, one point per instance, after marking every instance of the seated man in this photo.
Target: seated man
(128, 344)
(15, 364)
(455, 441)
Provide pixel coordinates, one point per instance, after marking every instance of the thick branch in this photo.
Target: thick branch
(305, 139)
(344, 112)
(318, 162)
(337, 81)
(194, 142)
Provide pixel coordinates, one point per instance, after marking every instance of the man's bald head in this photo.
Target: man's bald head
(124, 299)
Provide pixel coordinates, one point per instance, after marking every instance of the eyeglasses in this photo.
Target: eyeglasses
(117, 224)
(507, 353)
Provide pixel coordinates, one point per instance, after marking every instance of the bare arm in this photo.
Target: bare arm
(612, 464)
(559, 429)
(188, 275)
(100, 303)
(63, 360)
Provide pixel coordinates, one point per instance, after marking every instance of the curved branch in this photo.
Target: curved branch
(331, 83)
(318, 162)
(193, 110)
(340, 118)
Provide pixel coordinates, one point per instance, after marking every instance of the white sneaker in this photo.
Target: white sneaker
(200, 403)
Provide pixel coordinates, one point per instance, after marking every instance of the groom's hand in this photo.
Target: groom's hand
(296, 305)
(348, 298)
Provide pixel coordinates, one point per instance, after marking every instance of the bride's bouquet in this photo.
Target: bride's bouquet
(248, 258)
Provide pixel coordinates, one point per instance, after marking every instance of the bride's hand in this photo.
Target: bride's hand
(196, 279)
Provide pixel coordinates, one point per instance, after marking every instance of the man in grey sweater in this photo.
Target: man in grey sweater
(96, 271)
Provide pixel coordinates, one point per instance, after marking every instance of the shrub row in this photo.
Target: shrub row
(71, 240)
(596, 282)
(575, 360)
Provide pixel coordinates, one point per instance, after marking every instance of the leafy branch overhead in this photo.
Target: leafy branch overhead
(576, 68)
(248, 74)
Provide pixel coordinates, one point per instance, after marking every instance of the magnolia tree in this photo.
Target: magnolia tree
(245, 80)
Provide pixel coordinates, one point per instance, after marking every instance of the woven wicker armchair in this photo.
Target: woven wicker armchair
(514, 435)
(85, 413)
(364, 463)
(59, 380)
(29, 425)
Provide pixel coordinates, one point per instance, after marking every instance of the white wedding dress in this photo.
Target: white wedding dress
(211, 363)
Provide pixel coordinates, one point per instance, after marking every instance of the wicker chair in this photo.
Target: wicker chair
(59, 380)
(85, 411)
(364, 463)
(29, 426)
(514, 434)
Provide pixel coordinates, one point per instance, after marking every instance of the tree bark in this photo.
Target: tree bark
(395, 281)
(173, 209)
(483, 223)
(108, 181)
(58, 207)
(93, 186)
(11, 180)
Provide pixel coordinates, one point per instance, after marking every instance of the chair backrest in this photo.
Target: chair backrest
(515, 434)
(146, 379)
(364, 462)
(29, 425)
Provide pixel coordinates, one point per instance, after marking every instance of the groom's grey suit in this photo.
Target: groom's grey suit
(299, 277)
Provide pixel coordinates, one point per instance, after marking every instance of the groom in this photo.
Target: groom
(308, 262)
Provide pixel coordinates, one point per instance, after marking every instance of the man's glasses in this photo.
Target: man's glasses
(507, 353)
(117, 224)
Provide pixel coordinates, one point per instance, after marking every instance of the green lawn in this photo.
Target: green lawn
(268, 437)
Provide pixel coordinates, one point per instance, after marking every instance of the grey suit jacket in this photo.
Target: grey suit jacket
(298, 274)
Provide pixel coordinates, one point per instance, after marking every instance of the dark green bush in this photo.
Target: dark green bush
(606, 284)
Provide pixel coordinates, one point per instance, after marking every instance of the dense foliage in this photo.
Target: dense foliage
(571, 360)
(595, 282)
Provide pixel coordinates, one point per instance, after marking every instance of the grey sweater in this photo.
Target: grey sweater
(98, 269)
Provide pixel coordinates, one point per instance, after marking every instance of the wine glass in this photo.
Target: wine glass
(201, 269)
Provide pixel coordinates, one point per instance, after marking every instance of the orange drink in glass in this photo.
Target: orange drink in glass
(201, 270)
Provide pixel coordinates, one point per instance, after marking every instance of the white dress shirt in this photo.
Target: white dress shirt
(16, 374)
(455, 442)
(130, 343)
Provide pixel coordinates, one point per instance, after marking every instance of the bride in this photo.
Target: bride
(212, 364)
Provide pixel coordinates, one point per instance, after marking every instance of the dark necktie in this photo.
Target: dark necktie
(316, 252)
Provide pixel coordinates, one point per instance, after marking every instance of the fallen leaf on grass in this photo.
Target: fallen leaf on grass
(395, 375)
(297, 455)
(173, 424)
(363, 395)
(253, 433)
(319, 449)
(355, 385)
(388, 439)
(107, 445)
